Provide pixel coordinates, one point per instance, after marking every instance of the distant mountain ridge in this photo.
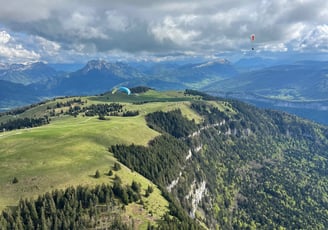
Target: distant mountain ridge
(95, 77)
(17, 94)
(300, 81)
(26, 74)
(254, 77)
(217, 69)
(98, 76)
(300, 88)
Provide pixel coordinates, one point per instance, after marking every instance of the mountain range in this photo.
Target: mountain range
(301, 81)
(26, 74)
(40, 80)
(276, 84)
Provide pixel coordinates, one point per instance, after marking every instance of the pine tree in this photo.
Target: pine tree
(15, 180)
(43, 225)
(125, 197)
(117, 166)
(29, 225)
(97, 174)
(3, 223)
(136, 186)
(150, 189)
(33, 212)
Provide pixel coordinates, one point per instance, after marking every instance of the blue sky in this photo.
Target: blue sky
(79, 30)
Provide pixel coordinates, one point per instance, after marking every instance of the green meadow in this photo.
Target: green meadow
(69, 150)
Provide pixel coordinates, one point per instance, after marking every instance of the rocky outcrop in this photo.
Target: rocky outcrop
(196, 194)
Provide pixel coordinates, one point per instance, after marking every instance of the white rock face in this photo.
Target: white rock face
(173, 183)
(196, 195)
(189, 155)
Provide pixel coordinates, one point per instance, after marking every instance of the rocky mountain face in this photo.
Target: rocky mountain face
(96, 77)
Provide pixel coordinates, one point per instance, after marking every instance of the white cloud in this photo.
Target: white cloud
(83, 24)
(315, 39)
(17, 53)
(273, 47)
(48, 47)
(4, 37)
(296, 31)
(175, 30)
(164, 26)
(116, 21)
(11, 50)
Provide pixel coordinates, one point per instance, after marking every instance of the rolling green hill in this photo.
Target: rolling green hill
(69, 150)
(213, 163)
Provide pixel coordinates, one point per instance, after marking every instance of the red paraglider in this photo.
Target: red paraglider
(252, 37)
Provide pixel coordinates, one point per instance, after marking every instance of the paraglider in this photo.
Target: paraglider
(252, 37)
(122, 89)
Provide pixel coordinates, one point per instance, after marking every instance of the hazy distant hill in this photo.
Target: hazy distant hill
(253, 63)
(212, 70)
(301, 81)
(22, 84)
(195, 74)
(300, 88)
(26, 74)
(14, 95)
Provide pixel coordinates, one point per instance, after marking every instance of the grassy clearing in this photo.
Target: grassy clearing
(66, 152)
(153, 206)
(70, 150)
(149, 96)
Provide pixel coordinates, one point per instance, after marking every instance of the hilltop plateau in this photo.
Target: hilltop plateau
(171, 159)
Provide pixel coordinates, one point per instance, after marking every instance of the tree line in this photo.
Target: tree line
(172, 122)
(21, 123)
(162, 161)
(72, 208)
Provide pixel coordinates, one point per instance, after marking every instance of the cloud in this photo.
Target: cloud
(175, 30)
(11, 50)
(47, 47)
(116, 21)
(18, 53)
(275, 47)
(315, 39)
(4, 37)
(90, 28)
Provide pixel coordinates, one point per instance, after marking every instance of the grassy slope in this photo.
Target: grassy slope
(69, 150)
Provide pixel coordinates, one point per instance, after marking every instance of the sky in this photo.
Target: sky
(68, 31)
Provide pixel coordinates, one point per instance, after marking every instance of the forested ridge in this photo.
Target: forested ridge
(238, 167)
(262, 169)
(270, 176)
